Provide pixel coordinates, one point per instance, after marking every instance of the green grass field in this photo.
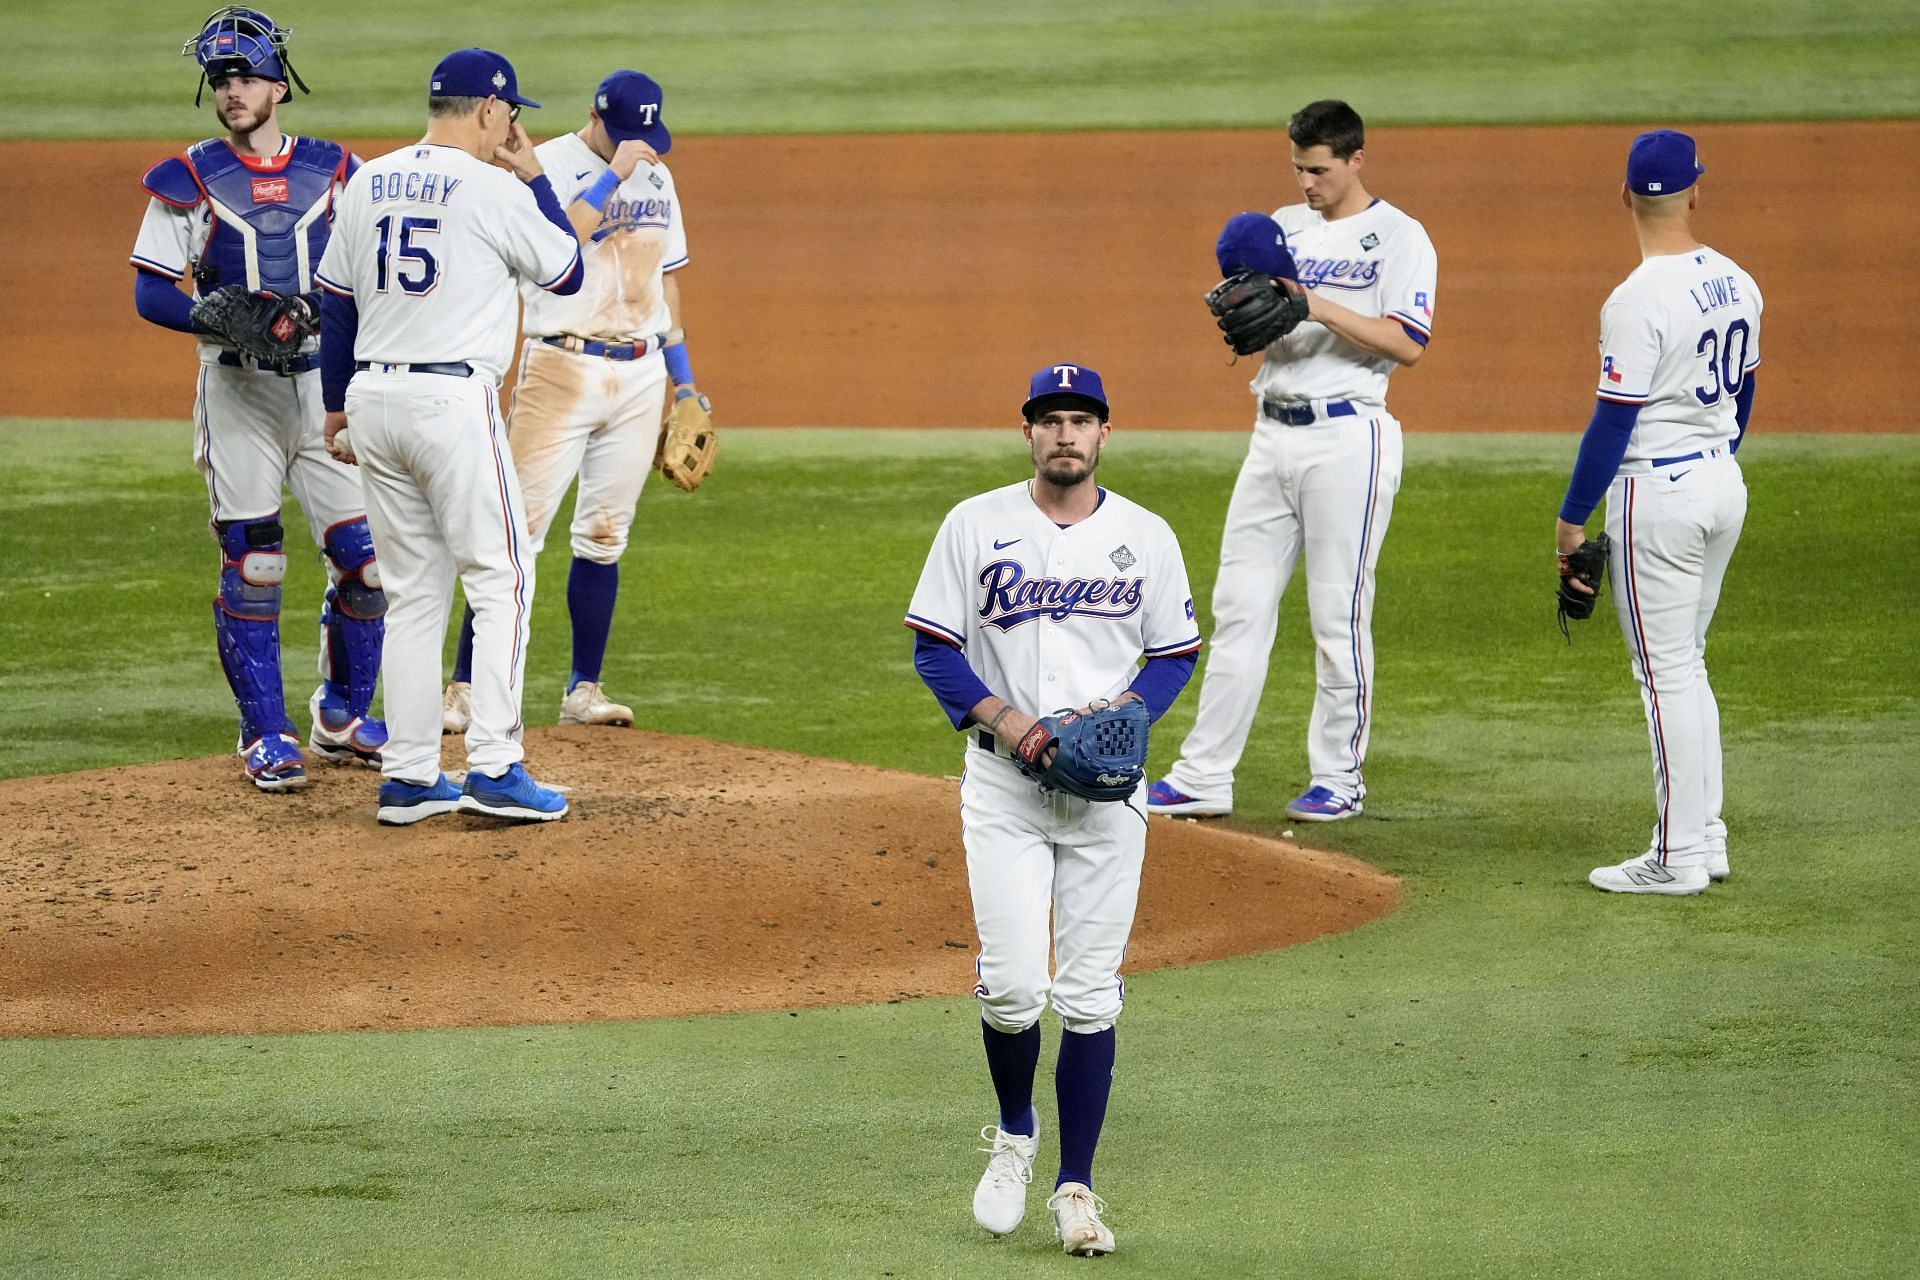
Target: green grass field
(112, 69)
(1512, 1076)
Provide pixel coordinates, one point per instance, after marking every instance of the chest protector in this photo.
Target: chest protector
(269, 227)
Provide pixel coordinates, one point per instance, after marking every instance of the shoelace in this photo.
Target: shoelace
(1082, 1201)
(1007, 1165)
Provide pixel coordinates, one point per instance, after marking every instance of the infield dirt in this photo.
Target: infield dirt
(899, 281)
(692, 877)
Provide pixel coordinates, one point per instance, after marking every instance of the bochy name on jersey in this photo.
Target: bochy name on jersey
(1012, 598)
(418, 185)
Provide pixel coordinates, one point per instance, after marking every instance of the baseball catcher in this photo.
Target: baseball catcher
(1098, 754)
(1582, 570)
(1253, 305)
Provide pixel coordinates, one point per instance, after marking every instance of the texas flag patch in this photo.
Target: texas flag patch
(1426, 308)
(1606, 367)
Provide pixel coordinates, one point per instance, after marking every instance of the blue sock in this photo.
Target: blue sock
(1012, 1057)
(463, 652)
(1081, 1082)
(591, 589)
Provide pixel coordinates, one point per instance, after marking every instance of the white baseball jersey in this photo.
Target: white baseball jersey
(1049, 617)
(429, 242)
(1679, 337)
(1379, 262)
(641, 237)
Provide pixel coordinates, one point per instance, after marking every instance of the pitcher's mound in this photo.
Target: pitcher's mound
(691, 877)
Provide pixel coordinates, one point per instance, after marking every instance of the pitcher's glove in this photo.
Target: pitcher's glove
(1098, 755)
(271, 327)
(1253, 310)
(1587, 564)
(688, 441)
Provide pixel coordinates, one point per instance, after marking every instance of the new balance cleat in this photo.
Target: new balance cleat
(1644, 874)
(587, 703)
(404, 803)
(1000, 1201)
(1076, 1220)
(1162, 797)
(513, 795)
(456, 708)
(344, 738)
(1319, 804)
(273, 762)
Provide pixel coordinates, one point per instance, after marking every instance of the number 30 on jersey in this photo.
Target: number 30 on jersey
(1726, 357)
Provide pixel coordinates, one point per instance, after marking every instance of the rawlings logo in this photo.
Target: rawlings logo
(269, 190)
(282, 329)
(1113, 779)
(1012, 598)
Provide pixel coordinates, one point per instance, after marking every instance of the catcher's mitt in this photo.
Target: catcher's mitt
(1586, 563)
(688, 442)
(269, 326)
(1253, 311)
(1099, 755)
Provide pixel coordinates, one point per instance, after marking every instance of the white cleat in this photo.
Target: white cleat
(587, 703)
(1644, 874)
(1076, 1221)
(456, 708)
(1000, 1201)
(1718, 868)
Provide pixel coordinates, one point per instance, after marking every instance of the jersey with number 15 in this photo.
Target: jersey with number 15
(1679, 337)
(430, 243)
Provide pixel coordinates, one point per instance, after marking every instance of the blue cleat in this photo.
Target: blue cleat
(513, 795)
(344, 738)
(1318, 804)
(1163, 798)
(404, 803)
(273, 762)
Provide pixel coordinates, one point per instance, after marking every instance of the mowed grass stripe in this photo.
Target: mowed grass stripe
(112, 69)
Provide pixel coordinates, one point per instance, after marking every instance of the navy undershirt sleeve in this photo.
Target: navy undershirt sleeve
(1601, 450)
(1742, 410)
(1162, 679)
(945, 671)
(339, 326)
(160, 301)
(549, 203)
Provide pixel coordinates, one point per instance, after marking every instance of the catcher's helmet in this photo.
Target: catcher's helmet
(237, 41)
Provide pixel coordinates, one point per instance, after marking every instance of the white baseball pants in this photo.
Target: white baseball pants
(1674, 529)
(1031, 857)
(597, 418)
(442, 499)
(1325, 490)
(255, 432)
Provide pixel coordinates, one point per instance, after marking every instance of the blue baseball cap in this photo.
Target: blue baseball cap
(628, 104)
(1661, 162)
(1068, 382)
(1254, 242)
(477, 73)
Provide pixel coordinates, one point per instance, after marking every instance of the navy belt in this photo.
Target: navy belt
(1695, 456)
(459, 369)
(1302, 415)
(605, 350)
(986, 740)
(294, 364)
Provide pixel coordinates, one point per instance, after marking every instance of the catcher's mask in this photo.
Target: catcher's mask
(237, 41)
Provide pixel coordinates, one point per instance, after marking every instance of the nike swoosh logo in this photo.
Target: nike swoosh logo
(1002, 546)
(1676, 475)
(583, 173)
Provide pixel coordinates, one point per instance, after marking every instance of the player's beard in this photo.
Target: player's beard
(244, 119)
(1065, 473)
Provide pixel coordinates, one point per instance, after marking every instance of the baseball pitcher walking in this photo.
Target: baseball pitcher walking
(1679, 346)
(1321, 473)
(1048, 593)
(594, 371)
(418, 325)
(243, 218)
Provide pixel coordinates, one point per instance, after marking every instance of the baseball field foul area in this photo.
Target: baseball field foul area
(716, 1022)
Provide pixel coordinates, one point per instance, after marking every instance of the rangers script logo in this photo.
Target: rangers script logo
(1013, 598)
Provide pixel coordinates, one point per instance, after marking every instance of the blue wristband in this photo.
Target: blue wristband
(679, 368)
(601, 191)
